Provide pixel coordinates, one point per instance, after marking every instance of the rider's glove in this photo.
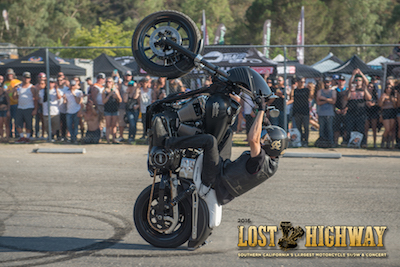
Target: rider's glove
(260, 103)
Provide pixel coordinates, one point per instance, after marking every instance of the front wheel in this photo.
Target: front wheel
(161, 60)
(178, 236)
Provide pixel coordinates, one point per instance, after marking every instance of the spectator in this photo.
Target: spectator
(372, 110)
(4, 112)
(73, 99)
(97, 99)
(92, 119)
(289, 102)
(326, 99)
(388, 102)
(123, 87)
(8, 85)
(159, 91)
(278, 89)
(339, 121)
(54, 98)
(63, 79)
(1, 80)
(90, 87)
(301, 109)
(111, 99)
(313, 106)
(145, 100)
(27, 107)
(356, 99)
(61, 85)
(39, 115)
(132, 104)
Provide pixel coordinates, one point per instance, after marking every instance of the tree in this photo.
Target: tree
(108, 33)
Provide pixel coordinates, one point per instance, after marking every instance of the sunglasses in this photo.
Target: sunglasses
(358, 80)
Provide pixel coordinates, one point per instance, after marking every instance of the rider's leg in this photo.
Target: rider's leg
(211, 158)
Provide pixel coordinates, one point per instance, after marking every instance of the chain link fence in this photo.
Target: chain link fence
(341, 95)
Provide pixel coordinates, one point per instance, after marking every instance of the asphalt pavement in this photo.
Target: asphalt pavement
(76, 210)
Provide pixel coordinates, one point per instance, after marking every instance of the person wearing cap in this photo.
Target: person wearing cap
(8, 85)
(326, 99)
(356, 99)
(123, 87)
(132, 105)
(27, 106)
(97, 92)
(339, 120)
(278, 90)
(73, 99)
(301, 111)
(54, 98)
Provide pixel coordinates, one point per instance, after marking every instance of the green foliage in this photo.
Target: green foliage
(111, 23)
(108, 33)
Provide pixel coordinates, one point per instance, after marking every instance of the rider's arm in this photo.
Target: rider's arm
(255, 134)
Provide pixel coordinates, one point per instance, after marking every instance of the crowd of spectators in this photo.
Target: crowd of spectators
(109, 105)
(337, 108)
(101, 111)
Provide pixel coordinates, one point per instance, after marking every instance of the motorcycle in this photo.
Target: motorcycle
(179, 208)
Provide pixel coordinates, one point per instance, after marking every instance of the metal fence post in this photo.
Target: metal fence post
(285, 122)
(48, 95)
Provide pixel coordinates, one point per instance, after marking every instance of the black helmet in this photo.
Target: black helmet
(274, 140)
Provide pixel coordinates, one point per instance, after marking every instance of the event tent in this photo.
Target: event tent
(327, 63)
(36, 63)
(377, 62)
(353, 63)
(295, 68)
(106, 64)
(230, 57)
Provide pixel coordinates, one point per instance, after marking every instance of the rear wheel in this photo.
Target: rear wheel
(161, 60)
(179, 235)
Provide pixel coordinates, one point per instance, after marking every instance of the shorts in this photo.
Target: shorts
(24, 115)
(3, 113)
(55, 123)
(121, 121)
(389, 113)
(110, 113)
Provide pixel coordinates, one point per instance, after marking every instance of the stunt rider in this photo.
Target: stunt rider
(231, 179)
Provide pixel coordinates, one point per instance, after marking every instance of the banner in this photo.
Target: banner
(219, 34)
(300, 38)
(266, 37)
(204, 29)
(5, 16)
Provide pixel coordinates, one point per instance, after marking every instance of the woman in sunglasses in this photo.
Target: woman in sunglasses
(357, 98)
(388, 102)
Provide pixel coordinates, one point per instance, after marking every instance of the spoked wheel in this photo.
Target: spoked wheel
(158, 59)
(153, 233)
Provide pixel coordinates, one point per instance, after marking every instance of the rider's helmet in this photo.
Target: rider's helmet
(250, 79)
(274, 140)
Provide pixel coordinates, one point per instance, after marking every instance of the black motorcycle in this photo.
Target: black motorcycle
(175, 210)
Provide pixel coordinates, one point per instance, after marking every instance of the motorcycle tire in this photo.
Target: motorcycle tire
(182, 231)
(163, 61)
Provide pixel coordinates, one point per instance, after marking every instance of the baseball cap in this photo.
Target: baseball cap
(26, 74)
(73, 82)
(128, 73)
(52, 80)
(10, 71)
(42, 75)
(101, 76)
(327, 79)
(342, 78)
(335, 77)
